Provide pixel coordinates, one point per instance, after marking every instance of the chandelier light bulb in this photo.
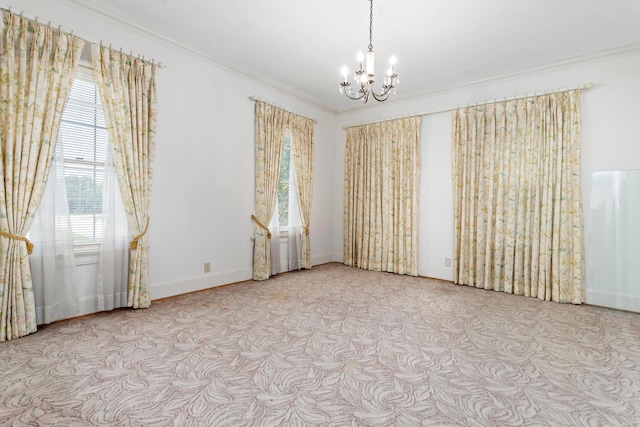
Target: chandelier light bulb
(345, 72)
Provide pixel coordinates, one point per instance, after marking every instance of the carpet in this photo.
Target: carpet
(331, 346)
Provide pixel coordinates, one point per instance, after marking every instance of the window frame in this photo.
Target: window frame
(85, 73)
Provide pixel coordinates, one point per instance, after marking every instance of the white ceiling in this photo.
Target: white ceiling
(300, 46)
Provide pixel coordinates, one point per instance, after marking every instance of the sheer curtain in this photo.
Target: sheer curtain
(53, 264)
(293, 228)
(61, 289)
(113, 260)
(294, 239)
(274, 243)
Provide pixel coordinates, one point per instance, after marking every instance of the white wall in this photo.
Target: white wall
(203, 182)
(610, 141)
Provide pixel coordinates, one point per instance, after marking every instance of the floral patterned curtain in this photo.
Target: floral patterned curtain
(37, 67)
(517, 203)
(271, 127)
(128, 90)
(381, 194)
(302, 150)
(270, 131)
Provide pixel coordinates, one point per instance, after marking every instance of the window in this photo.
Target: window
(85, 140)
(284, 183)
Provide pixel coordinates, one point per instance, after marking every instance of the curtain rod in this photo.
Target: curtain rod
(585, 86)
(73, 33)
(258, 99)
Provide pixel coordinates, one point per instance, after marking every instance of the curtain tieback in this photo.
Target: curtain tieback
(21, 238)
(261, 225)
(305, 229)
(133, 244)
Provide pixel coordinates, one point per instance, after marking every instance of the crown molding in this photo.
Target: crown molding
(292, 92)
(200, 53)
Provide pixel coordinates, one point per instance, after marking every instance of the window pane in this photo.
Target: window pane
(283, 204)
(85, 141)
(82, 142)
(84, 188)
(86, 228)
(283, 185)
(83, 111)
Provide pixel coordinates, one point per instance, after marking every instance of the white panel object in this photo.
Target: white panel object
(615, 239)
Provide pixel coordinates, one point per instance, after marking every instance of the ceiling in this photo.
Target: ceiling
(300, 46)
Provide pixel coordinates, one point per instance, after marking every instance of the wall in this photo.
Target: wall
(610, 141)
(203, 180)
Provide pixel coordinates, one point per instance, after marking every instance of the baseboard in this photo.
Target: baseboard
(618, 301)
(338, 257)
(437, 273)
(198, 283)
(207, 281)
(321, 259)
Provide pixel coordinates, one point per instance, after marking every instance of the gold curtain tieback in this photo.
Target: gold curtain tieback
(21, 238)
(261, 225)
(305, 229)
(133, 244)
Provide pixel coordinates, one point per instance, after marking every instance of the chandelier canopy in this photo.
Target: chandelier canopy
(365, 78)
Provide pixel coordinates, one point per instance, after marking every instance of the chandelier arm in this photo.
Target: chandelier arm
(355, 98)
(349, 93)
(382, 96)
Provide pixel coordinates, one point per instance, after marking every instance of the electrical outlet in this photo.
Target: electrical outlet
(207, 267)
(447, 262)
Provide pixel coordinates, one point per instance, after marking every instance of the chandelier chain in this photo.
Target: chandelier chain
(370, 25)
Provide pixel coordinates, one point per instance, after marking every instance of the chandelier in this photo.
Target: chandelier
(365, 78)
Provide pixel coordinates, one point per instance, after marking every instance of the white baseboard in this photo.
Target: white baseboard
(198, 283)
(437, 273)
(321, 259)
(338, 257)
(206, 281)
(613, 300)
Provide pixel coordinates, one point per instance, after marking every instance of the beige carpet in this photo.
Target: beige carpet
(332, 346)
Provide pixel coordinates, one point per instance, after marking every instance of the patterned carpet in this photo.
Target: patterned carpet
(332, 346)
